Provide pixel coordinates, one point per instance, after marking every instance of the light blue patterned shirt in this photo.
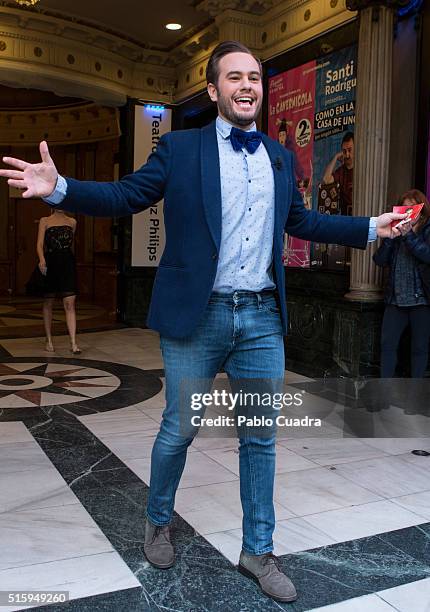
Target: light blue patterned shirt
(248, 209)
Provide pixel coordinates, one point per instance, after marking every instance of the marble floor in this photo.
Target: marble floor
(353, 513)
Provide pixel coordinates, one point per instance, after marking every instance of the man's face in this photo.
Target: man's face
(348, 153)
(239, 91)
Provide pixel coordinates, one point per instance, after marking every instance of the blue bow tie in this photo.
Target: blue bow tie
(250, 140)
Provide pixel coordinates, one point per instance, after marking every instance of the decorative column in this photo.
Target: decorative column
(372, 133)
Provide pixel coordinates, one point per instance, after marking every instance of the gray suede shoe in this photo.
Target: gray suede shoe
(264, 569)
(158, 548)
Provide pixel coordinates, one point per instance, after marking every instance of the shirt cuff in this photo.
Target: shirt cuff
(372, 236)
(59, 193)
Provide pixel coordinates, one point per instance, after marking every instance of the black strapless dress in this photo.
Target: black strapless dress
(60, 262)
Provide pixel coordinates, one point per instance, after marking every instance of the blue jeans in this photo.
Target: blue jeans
(241, 333)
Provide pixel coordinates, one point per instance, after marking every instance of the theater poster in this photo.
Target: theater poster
(311, 107)
(291, 119)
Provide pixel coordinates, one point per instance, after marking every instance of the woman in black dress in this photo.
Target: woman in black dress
(57, 263)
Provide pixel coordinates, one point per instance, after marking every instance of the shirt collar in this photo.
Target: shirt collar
(224, 128)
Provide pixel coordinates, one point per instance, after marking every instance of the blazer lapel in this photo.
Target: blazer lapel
(211, 181)
(280, 173)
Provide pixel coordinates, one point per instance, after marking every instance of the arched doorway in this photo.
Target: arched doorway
(84, 142)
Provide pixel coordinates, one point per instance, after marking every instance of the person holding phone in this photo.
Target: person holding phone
(407, 294)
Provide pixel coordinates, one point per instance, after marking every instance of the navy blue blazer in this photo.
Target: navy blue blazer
(185, 171)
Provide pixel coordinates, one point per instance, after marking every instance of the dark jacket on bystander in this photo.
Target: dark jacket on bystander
(418, 245)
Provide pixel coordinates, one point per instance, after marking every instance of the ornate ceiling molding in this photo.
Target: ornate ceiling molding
(286, 25)
(47, 24)
(32, 13)
(81, 123)
(217, 7)
(43, 51)
(291, 23)
(196, 45)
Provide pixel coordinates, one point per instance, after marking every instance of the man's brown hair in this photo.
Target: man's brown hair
(224, 48)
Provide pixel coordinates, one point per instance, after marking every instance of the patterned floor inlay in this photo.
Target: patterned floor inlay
(49, 394)
(85, 386)
(47, 384)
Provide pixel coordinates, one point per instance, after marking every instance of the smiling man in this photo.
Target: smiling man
(238, 93)
(219, 299)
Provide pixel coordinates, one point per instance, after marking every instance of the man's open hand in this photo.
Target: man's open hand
(35, 180)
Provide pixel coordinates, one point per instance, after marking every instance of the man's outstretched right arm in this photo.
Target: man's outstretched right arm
(131, 194)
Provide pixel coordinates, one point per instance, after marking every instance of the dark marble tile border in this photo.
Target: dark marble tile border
(203, 579)
(116, 500)
(338, 572)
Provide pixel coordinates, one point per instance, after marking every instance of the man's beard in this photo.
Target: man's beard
(225, 108)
